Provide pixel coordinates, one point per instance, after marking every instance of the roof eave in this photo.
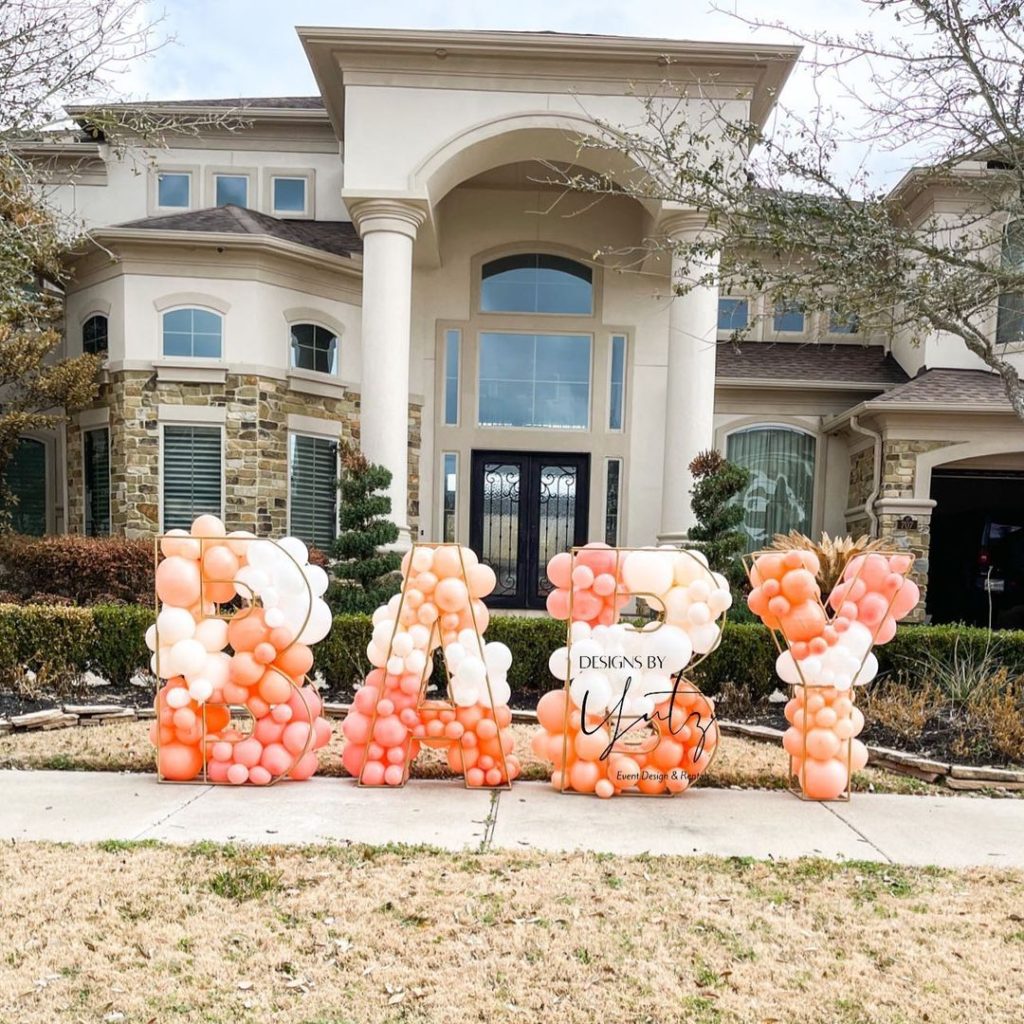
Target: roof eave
(789, 384)
(350, 265)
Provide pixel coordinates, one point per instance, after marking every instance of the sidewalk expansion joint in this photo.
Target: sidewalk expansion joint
(202, 791)
(490, 821)
(857, 832)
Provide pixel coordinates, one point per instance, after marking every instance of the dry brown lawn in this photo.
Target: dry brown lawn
(123, 746)
(150, 934)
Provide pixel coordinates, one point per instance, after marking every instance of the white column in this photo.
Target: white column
(388, 229)
(690, 391)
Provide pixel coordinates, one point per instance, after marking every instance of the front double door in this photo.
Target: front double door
(524, 508)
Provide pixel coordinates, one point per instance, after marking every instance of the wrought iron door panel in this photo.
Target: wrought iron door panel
(524, 508)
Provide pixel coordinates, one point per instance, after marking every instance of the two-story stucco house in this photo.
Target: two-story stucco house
(384, 262)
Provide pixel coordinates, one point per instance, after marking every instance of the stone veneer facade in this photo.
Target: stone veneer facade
(255, 463)
(902, 529)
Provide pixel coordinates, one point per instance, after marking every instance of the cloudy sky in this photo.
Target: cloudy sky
(249, 47)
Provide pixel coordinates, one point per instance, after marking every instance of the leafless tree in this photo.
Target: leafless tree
(790, 222)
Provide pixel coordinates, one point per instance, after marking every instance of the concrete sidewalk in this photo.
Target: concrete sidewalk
(89, 806)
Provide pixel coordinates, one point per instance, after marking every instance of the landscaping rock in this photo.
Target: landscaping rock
(36, 719)
(91, 709)
(979, 784)
(5, 726)
(1000, 776)
(923, 768)
(754, 732)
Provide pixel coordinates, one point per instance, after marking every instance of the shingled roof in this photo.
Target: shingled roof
(942, 386)
(860, 366)
(231, 103)
(338, 237)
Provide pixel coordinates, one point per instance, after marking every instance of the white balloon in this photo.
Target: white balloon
(705, 638)
(699, 613)
(163, 659)
(416, 662)
(151, 637)
(594, 688)
(558, 663)
(582, 630)
(178, 697)
(501, 693)
(699, 591)
(376, 654)
(262, 555)
(402, 645)
(200, 690)
(472, 670)
(187, 657)
(867, 672)
(470, 639)
(294, 548)
(383, 631)
(319, 624)
(719, 601)
(464, 694)
(317, 580)
(657, 685)
(454, 654)
(420, 636)
(274, 617)
(785, 668)
(856, 638)
(498, 656)
(395, 665)
(673, 646)
(174, 624)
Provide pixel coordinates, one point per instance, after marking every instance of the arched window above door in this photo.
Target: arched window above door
(536, 283)
(780, 495)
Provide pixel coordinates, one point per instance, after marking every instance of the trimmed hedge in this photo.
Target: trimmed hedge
(59, 643)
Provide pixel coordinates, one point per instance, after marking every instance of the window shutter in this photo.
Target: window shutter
(96, 455)
(192, 474)
(314, 490)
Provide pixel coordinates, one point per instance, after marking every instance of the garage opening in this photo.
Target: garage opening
(976, 555)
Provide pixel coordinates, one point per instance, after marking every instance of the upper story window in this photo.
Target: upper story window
(231, 189)
(173, 190)
(733, 314)
(289, 195)
(1010, 322)
(192, 333)
(780, 495)
(536, 283)
(314, 348)
(789, 318)
(843, 323)
(94, 334)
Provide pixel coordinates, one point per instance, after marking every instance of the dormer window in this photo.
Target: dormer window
(231, 189)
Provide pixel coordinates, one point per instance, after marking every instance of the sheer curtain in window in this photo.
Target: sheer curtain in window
(780, 495)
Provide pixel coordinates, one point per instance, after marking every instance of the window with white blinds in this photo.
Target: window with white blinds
(96, 474)
(313, 465)
(192, 474)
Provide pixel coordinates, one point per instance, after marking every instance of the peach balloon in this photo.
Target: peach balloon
(178, 581)
(451, 595)
(208, 526)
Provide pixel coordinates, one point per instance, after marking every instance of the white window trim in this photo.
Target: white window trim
(297, 425)
(612, 335)
(105, 425)
(458, 377)
(441, 490)
(153, 206)
(328, 324)
(211, 174)
(308, 174)
(589, 428)
(193, 361)
(194, 420)
(619, 532)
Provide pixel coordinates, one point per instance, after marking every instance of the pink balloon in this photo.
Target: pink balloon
(560, 570)
(352, 758)
(871, 609)
(598, 557)
(886, 631)
(217, 771)
(259, 776)
(373, 774)
(305, 768)
(268, 731)
(394, 774)
(237, 774)
(604, 585)
(389, 731)
(248, 752)
(558, 604)
(276, 759)
(582, 577)
(322, 733)
(906, 599)
(823, 780)
(586, 605)
(296, 737)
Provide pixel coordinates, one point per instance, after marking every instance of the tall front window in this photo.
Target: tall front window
(780, 495)
(534, 380)
(192, 333)
(192, 474)
(313, 484)
(1010, 323)
(536, 283)
(314, 348)
(452, 344)
(96, 474)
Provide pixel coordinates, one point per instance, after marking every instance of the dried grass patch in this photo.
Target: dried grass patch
(365, 935)
(124, 746)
